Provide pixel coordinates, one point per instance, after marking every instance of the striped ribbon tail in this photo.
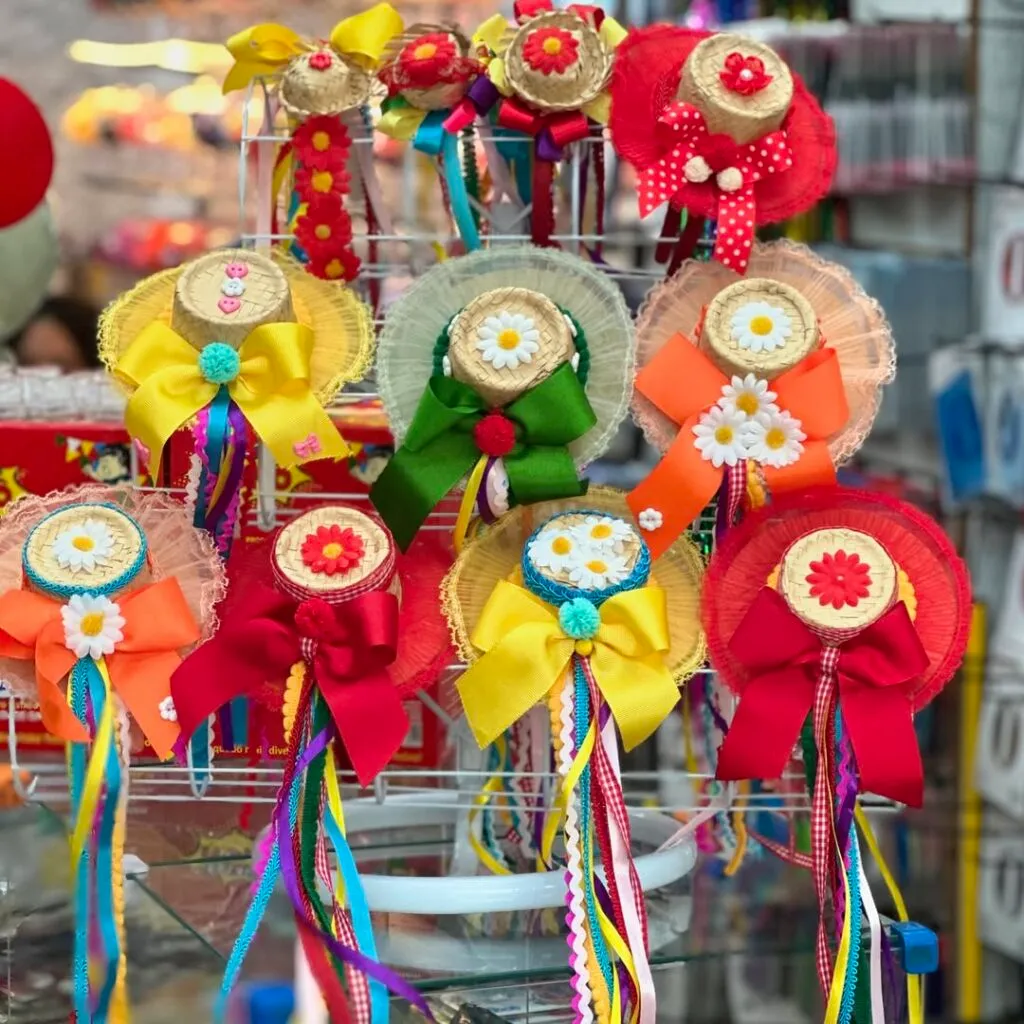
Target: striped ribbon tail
(77, 753)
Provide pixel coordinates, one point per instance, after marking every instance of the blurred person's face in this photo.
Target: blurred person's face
(47, 342)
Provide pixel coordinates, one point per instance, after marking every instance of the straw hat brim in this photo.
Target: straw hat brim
(341, 322)
(417, 318)
(851, 322)
(496, 554)
(749, 555)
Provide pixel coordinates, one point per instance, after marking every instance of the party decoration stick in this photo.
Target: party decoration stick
(427, 71)
(547, 78)
(573, 614)
(527, 358)
(849, 610)
(718, 126)
(330, 633)
(322, 87)
(101, 592)
(745, 384)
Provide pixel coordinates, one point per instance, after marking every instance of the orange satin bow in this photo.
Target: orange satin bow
(158, 623)
(683, 383)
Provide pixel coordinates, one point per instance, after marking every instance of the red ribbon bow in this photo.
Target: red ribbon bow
(552, 131)
(347, 646)
(523, 10)
(702, 170)
(875, 668)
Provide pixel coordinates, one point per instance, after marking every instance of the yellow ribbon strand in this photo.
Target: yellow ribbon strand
(364, 36)
(272, 390)
(401, 123)
(259, 51)
(526, 653)
(468, 504)
(93, 788)
(334, 803)
(480, 801)
(120, 1008)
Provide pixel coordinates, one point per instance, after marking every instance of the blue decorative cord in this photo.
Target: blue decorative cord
(80, 957)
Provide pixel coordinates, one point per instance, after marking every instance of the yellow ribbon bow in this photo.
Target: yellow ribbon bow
(270, 386)
(527, 653)
(266, 48)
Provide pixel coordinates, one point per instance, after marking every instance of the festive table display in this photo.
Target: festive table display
(101, 593)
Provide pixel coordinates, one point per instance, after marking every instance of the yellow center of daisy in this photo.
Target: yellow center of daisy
(334, 269)
(761, 325)
(322, 231)
(508, 339)
(596, 565)
(552, 46)
(724, 435)
(747, 403)
(775, 438)
(561, 545)
(321, 141)
(91, 624)
(601, 532)
(83, 543)
(425, 51)
(332, 550)
(322, 181)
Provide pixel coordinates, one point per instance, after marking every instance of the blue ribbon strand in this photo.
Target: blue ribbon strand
(78, 754)
(432, 139)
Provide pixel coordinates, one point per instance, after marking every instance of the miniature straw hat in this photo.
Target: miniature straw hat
(223, 295)
(429, 67)
(324, 82)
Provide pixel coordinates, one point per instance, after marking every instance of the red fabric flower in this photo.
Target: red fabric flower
(319, 137)
(320, 175)
(321, 60)
(425, 59)
(745, 75)
(332, 549)
(839, 580)
(340, 265)
(324, 227)
(551, 50)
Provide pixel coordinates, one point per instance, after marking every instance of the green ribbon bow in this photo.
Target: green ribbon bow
(439, 449)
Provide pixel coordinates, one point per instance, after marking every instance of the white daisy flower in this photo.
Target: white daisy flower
(720, 437)
(773, 439)
(596, 570)
(168, 712)
(554, 549)
(92, 625)
(508, 339)
(604, 533)
(760, 327)
(748, 395)
(650, 519)
(82, 547)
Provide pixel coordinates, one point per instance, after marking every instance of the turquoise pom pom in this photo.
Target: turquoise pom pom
(219, 363)
(579, 619)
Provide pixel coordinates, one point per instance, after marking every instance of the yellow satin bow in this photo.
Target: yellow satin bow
(266, 48)
(527, 653)
(271, 389)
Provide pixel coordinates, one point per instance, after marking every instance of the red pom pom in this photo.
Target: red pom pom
(28, 154)
(314, 619)
(495, 435)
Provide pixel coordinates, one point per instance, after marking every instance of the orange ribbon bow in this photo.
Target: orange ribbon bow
(684, 384)
(158, 624)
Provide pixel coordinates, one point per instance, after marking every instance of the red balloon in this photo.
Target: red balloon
(27, 155)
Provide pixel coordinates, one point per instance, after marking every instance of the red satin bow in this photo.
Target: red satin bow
(723, 177)
(523, 10)
(550, 129)
(782, 657)
(348, 646)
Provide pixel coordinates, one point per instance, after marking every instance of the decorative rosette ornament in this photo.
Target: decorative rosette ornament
(527, 355)
(835, 615)
(775, 382)
(343, 629)
(101, 593)
(427, 71)
(323, 86)
(718, 126)
(571, 613)
(546, 77)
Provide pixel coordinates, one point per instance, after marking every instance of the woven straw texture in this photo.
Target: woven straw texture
(851, 322)
(717, 334)
(307, 91)
(374, 570)
(175, 550)
(342, 324)
(495, 555)
(581, 81)
(743, 118)
(795, 588)
(195, 314)
(747, 555)
(499, 387)
(41, 560)
(452, 81)
(415, 321)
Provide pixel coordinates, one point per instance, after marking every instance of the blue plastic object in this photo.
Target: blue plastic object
(916, 946)
(270, 1004)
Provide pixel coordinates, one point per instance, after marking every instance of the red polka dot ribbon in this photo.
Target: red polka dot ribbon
(700, 162)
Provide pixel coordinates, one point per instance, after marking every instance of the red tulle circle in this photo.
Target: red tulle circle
(28, 154)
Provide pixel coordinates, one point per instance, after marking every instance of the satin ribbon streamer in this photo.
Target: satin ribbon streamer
(683, 383)
(875, 673)
(439, 449)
